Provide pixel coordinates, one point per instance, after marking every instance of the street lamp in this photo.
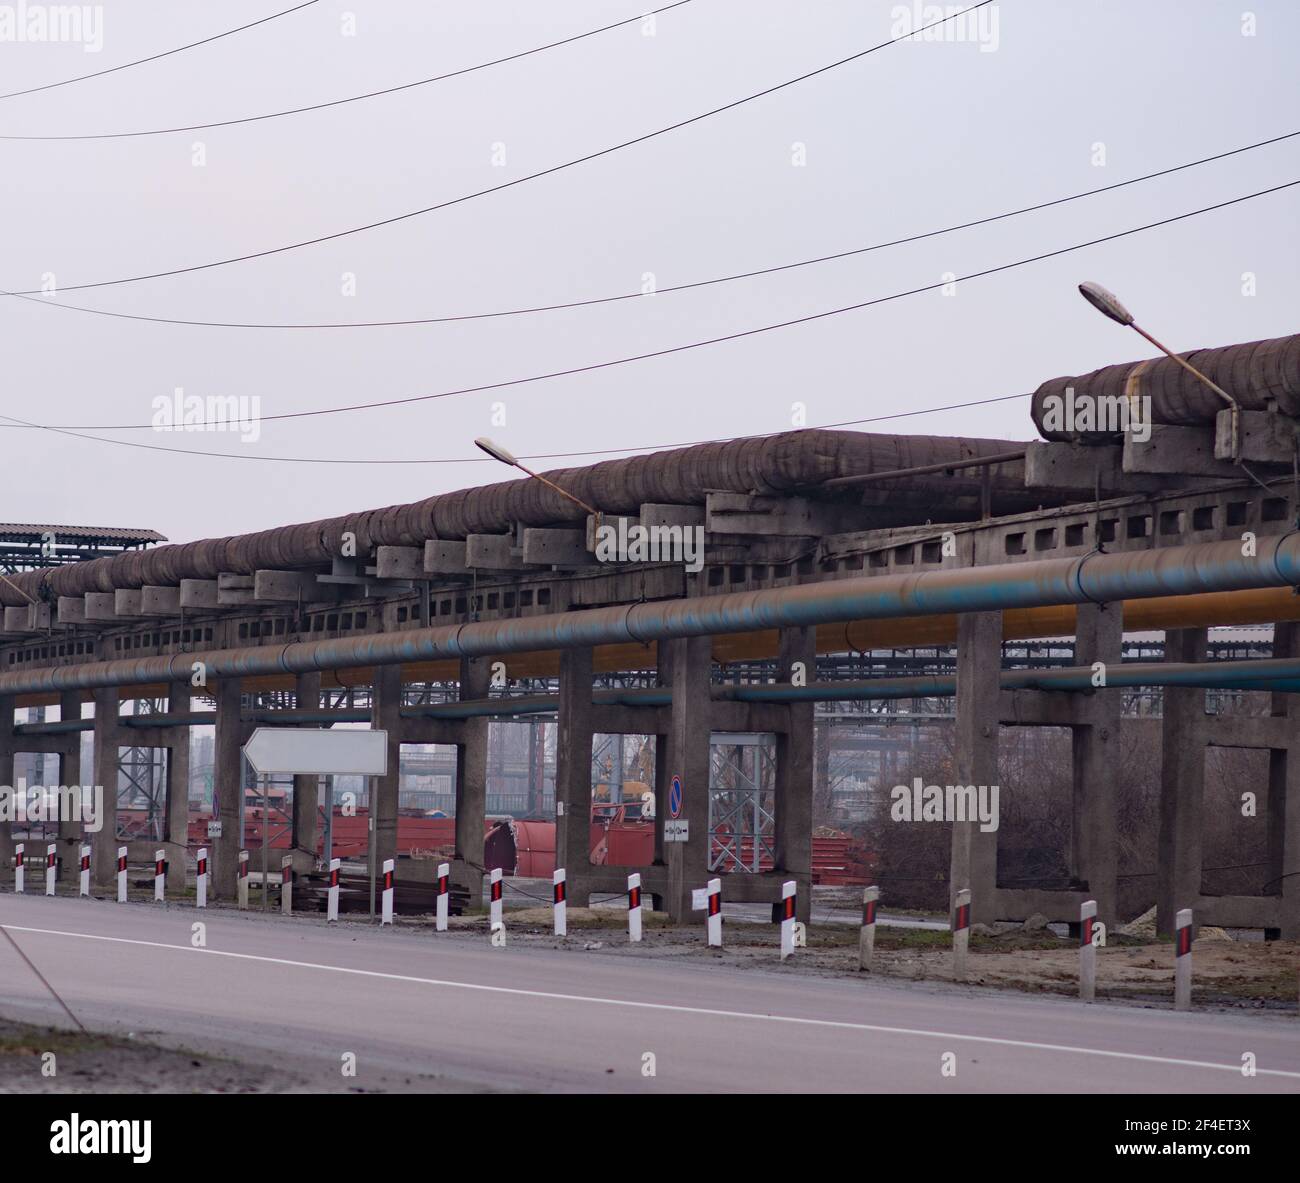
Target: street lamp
(1108, 304)
(497, 452)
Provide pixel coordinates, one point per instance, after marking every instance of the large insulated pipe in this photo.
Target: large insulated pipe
(680, 476)
(1097, 578)
(1256, 374)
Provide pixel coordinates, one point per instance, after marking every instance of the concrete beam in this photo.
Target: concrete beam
(128, 602)
(234, 591)
(1264, 438)
(786, 517)
(555, 548)
(1187, 450)
(672, 515)
(160, 601)
(71, 610)
(100, 606)
(399, 562)
(444, 557)
(492, 551)
(199, 594)
(291, 587)
(1078, 466)
(16, 620)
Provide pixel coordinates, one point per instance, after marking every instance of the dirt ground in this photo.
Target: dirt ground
(1228, 973)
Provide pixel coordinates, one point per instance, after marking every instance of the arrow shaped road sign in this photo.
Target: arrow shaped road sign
(304, 751)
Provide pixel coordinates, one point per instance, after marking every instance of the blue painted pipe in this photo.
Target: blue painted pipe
(1100, 578)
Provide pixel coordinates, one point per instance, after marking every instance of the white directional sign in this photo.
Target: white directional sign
(325, 752)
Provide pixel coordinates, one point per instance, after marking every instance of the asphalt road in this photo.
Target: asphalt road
(452, 1012)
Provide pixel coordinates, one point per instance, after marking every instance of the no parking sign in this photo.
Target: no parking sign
(675, 798)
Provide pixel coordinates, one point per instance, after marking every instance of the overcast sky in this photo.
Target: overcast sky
(917, 136)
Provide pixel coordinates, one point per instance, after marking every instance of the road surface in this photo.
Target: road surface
(454, 1012)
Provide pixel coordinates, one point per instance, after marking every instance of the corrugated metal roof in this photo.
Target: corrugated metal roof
(116, 533)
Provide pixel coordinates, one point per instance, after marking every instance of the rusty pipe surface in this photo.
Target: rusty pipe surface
(1096, 578)
(1255, 374)
(680, 476)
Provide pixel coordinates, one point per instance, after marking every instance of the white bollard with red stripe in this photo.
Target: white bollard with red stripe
(867, 937)
(444, 898)
(121, 874)
(634, 907)
(20, 872)
(286, 885)
(789, 900)
(201, 878)
(386, 904)
(51, 868)
(1183, 960)
(1087, 950)
(560, 902)
(83, 880)
(960, 933)
(242, 881)
(714, 921)
(332, 895)
(159, 875)
(494, 899)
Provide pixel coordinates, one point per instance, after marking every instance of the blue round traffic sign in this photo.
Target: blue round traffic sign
(675, 798)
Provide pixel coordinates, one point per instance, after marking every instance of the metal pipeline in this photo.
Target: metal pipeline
(1096, 578)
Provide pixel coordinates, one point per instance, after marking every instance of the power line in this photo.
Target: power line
(13, 94)
(356, 98)
(692, 345)
(45, 302)
(76, 434)
(76, 431)
(555, 168)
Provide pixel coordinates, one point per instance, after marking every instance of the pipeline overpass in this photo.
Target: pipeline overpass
(447, 611)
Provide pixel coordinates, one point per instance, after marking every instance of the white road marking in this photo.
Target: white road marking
(664, 1006)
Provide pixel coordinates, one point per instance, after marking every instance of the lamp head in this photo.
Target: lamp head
(1105, 302)
(496, 451)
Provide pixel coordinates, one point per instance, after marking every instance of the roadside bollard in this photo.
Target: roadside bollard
(494, 899)
(867, 936)
(442, 906)
(51, 868)
(201, 878)
(386, 907)
(286, 885)
(960, 933)
(159, 875)
(242, 881)
(1087, 950)
(121, 874)
(634, 907)
(788, 901)
(83, 884)
(332, 894)
(20, 852)
(1183, 960)
(560, 905)
(714, 921)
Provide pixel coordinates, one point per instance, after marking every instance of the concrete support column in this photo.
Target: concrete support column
(108, 739)
(7, 778)
(575, 728)
(689, 732)
(979, 666)
(386, 715)
(177, 817)
(794, 770)
(1094, 844)
(471, 783)
(1182, 786)
(1284, 799)
(227, 788)
(71, 829)
(306, 789)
